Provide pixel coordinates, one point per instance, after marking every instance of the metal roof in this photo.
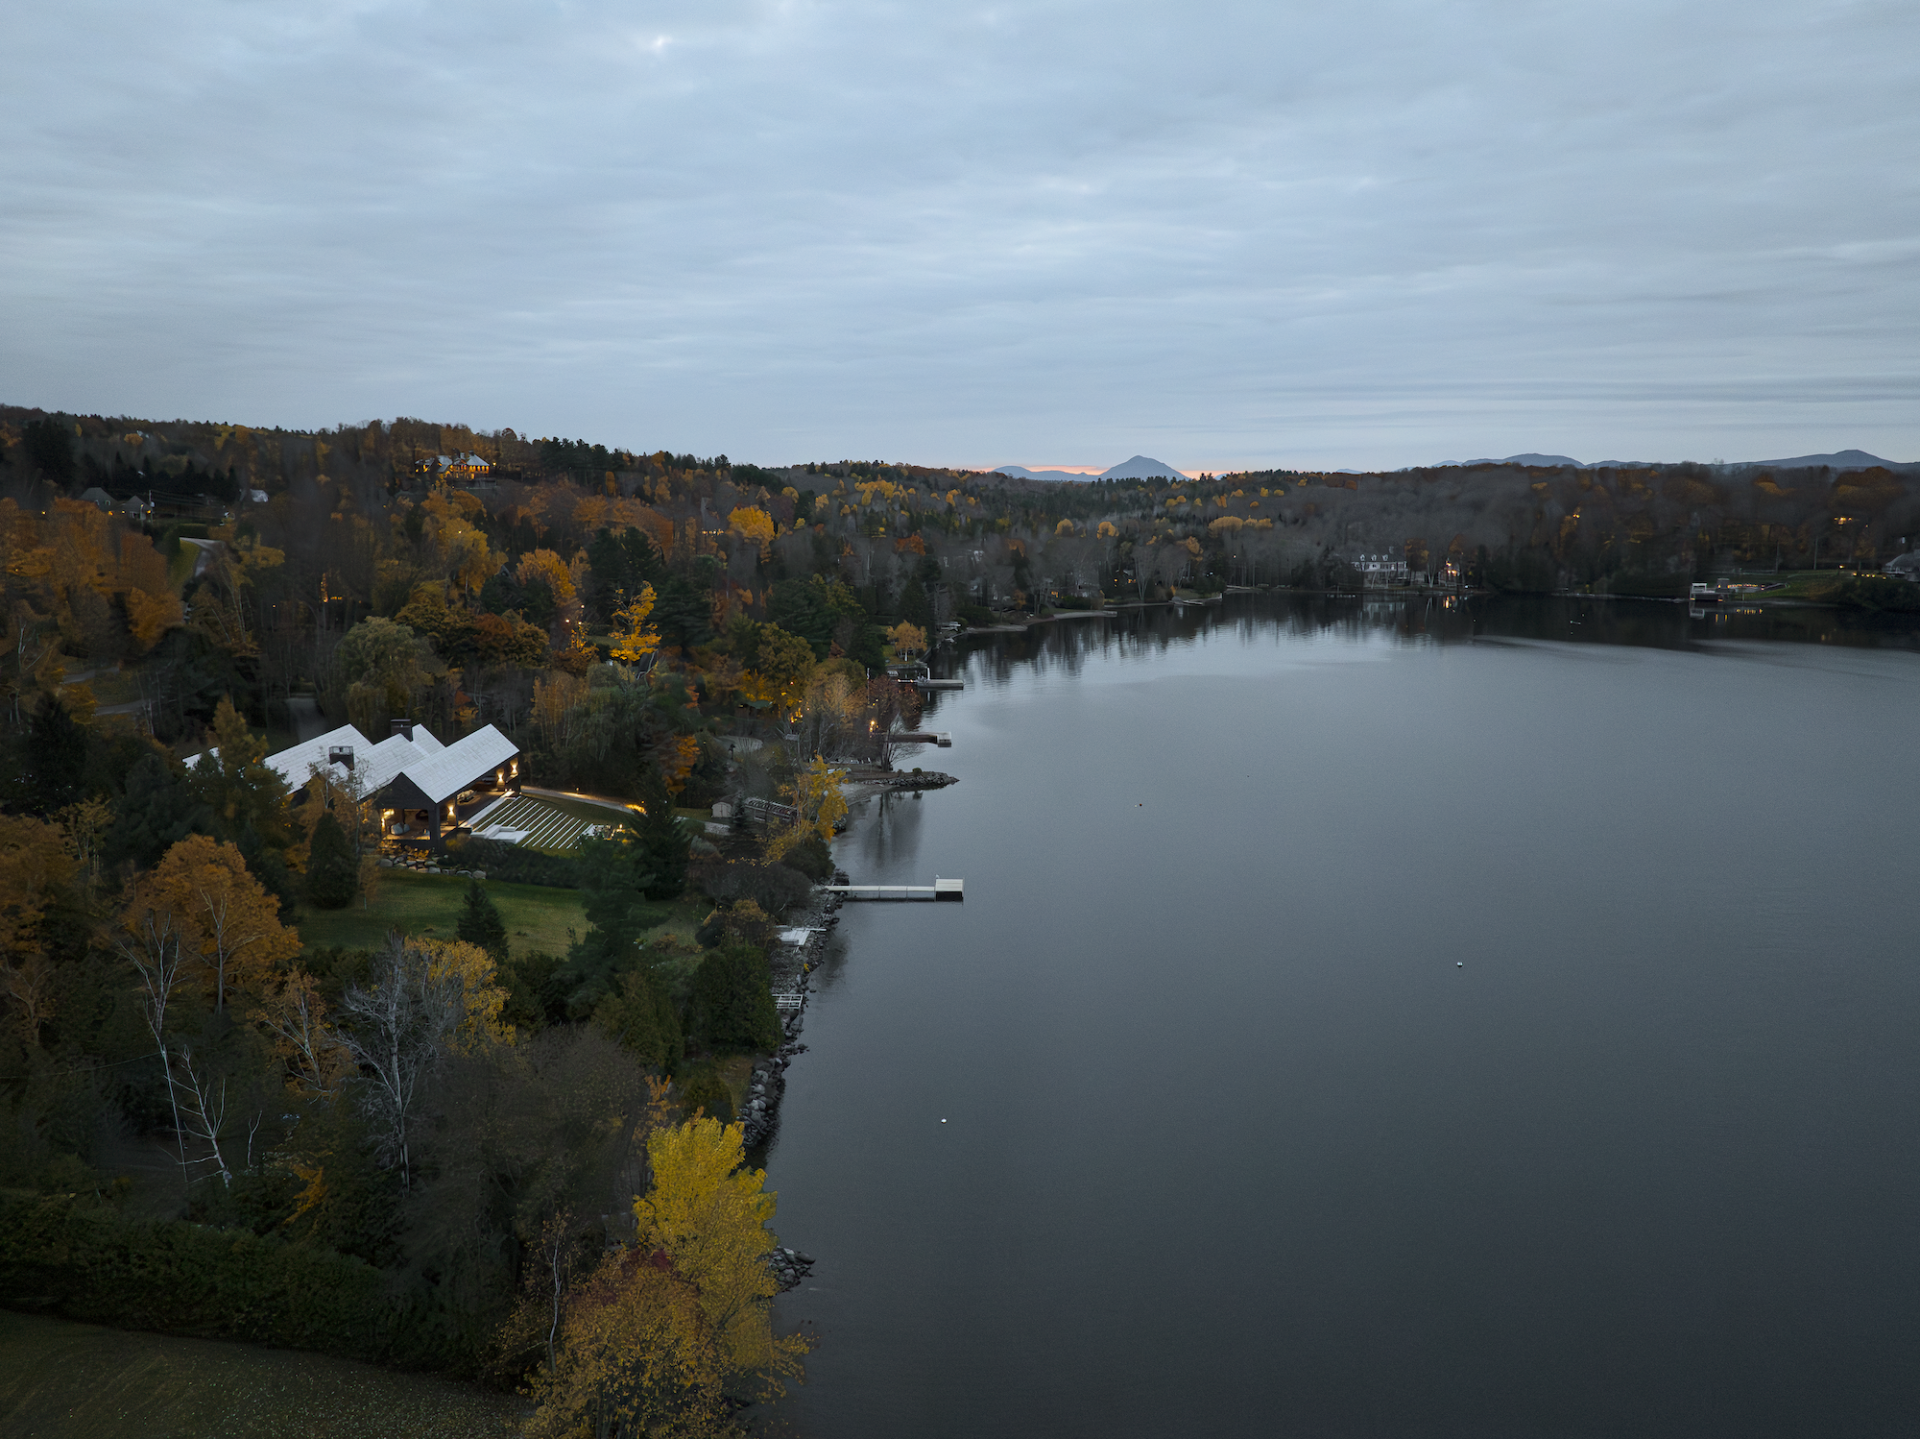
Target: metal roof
(436, 770)
(296, 765)
(376, 766)
(442, 775)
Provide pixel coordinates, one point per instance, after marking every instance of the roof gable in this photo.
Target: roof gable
(442, 775)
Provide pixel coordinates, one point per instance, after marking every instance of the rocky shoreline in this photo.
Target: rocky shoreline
(875, 780)
(793, 966)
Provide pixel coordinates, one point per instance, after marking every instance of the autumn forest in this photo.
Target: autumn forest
(451, 1140)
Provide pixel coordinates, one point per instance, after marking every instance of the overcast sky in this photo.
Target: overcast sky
(1355, 233)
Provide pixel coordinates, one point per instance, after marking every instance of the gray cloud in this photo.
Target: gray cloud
(1373, 233)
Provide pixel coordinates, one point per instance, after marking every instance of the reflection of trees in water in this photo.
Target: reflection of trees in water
(1420, 619)
(833, 961)
(889, 835)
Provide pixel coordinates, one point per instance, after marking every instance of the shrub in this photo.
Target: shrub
(774, 887)
(510, 864)
(978, 615)
(812, 858)
(92, 1263)
(704, 1089)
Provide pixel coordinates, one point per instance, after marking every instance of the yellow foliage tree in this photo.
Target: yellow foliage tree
(817, 795)
(907, 639)
(709, 1216)
(221, 913)
(633, 1358)
(632, 640)
(548, 566)
(753, 523)
(150, 616)
(470, 970)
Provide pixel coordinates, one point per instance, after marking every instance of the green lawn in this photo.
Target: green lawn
(537, 916)
(60, 1380)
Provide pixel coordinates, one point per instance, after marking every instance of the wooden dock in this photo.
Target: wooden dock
(945, 891)
(939, 738)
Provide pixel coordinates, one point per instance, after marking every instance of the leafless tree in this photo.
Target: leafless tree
(154, 952)
(398, 1032)
(206, 1112)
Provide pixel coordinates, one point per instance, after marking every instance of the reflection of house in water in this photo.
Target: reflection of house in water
(422, 789)
(1379, 571)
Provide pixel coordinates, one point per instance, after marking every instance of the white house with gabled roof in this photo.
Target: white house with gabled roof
(423, 789)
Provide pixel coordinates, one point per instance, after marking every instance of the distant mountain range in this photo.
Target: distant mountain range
(1140, 467)
(1144, 467)
(1838, 460)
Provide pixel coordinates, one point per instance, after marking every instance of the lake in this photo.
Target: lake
(1379, 1020)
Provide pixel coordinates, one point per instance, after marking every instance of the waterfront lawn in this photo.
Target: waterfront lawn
(61, 1380)
(537, 916)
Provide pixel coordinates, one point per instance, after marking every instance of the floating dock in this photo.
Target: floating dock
(946, 891)
(939, 738)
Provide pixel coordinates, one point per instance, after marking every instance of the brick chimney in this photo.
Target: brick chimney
(402, 726)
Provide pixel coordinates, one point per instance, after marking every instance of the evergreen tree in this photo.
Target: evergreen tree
(640, 1015)
(480, 922)
(663, 841)
(613, 886)
(49, 447)
(52, 762)
(333, 872)
(914, 607)
(156, 812)
(268, 865)
(682, 613)
(731, 1008)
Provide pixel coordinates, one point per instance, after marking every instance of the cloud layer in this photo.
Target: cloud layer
(1367, 234)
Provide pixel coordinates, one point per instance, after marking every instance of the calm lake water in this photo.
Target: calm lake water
(1380, 1021)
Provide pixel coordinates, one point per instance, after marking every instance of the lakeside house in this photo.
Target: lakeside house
(1379, 571)
(424, 791)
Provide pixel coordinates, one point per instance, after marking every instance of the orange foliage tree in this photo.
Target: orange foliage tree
(221, 913)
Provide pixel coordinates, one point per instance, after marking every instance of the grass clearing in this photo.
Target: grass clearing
(61, 1380)
(537, 916)
(683, 917)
